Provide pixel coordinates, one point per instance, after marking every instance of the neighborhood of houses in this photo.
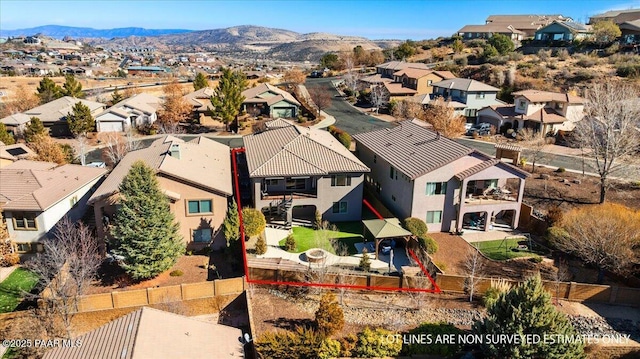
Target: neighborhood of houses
(295, 174)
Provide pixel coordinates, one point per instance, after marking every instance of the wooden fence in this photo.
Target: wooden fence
(174, 293)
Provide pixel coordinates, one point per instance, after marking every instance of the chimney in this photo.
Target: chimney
(174, 150)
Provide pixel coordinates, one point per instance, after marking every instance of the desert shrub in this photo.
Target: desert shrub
(330, 348)
(416, 226)
(254, 221)
(261, 245)
(329, 316)
(302, 119)
(345, 139)
(434, 330)
(628, 70)
(441, 265)
(552, 65)
(176, 273)
(524, 65)
(583, 75)
(348, 345)
(561, 170)
(462, 61)
(499, 60)
(614, 48)
(428, 244)
(554, 216)
(365, 261)
(9, 260)
(586, 62)
(476, 43)
(515, 56)
(555, 234)
(290, 243)
(535, 259)
(373, 343)
(561, 54)
(303, 343)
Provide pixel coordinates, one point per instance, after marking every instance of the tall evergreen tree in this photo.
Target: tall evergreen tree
(116, 97)
(527, 309)
(145, 231)
(200, 81)
(231, 224)
(228, 98)
(33, 129)
(48, 91)
(72, 87)
(5, 136)
(80, 120)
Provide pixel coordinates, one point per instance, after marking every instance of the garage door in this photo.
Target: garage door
(110, 127)
(282, 112)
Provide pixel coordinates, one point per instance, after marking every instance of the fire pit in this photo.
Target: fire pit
(316, 255)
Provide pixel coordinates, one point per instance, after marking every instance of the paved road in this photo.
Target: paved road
(557, 160)
(348, 118)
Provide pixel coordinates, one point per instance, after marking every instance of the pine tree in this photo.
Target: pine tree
(200, 81)
(228, 98)
(290, 243)
(72, 87)
(48, 91)
(5, 136)
(365, 261)
(261, 245)
(329, 316)
(33, 129)
(527, 309)
(80, 120)
(145, 230)
(231, 223)
(116, 97)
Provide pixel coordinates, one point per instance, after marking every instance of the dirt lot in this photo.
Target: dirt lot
(113, 278)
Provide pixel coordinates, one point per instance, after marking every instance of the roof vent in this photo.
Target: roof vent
(174, 151)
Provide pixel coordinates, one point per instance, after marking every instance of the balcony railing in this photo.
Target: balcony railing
(271, 195)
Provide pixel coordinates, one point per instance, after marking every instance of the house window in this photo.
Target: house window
(559, 105)
(434, 188)
(429, 82)
(73, 200)
(480, 95)
(470, 112)
(340, 180)
(393, 198)
(339, 207)
(434, 217)
(522, 105)
(375, 158)
(23, 247)
(393, 173)
(271, 181)
(199, 206)
(202, 235)
(25, 221)
(296, 183)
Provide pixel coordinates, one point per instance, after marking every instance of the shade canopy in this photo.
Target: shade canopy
(385, 228)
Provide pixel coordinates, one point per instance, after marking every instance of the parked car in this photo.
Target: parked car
(481, 129)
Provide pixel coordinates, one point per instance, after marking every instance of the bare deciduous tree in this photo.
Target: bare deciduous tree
(407, 110)
(117, 146)
(66, 268)
(320, 97)
(535, 144)
(378, 97)
(295, 77)
(610, 128)
(474, 267)
(351, 75)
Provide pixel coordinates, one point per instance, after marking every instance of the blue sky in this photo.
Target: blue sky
(372, 19)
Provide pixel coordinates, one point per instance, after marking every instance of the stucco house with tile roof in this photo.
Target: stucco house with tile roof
(412, 81)
(542, 111)
(563, 31)
(295, 171)
(53, 115)
(140, 109)
(269, 100)
(416, 172)
(195, 176)
(152, 333)
(35, 195)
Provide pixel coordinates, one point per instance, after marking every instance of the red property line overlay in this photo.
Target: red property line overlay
(234, 153)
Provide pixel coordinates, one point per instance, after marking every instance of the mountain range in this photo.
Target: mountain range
(59, 32)
(243, 41)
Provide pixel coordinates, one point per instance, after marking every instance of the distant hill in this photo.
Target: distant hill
(60, 32)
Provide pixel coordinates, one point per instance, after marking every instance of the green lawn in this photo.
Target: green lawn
(348, 233)
(13, 288)
(504, 249)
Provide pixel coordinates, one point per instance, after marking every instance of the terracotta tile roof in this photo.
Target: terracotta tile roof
(506, 111)
(201, 99)
(151, 333)
(546, 115)
(546, 96)
(396, 88)
(398, 65)
(296, 151)
(57, 109)
(465, 85)
(507, 146)
(143, 102)
(376, 79)
(412, 149)
(445, 74)
(491, 28)
(413, 73)
(203, 162)
(257, 95)
(486, 164)
(36, 186)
